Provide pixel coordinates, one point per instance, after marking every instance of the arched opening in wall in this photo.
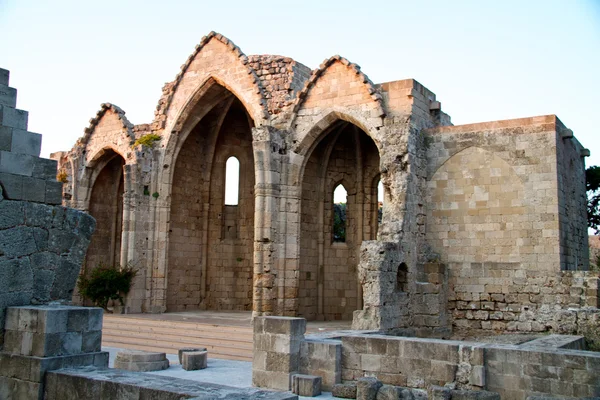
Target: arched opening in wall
(211, 232)
(340, 202)
(402, 278)
(106, 206)
(379, 202)
(341, 166)
(232, 181)
(377, 205)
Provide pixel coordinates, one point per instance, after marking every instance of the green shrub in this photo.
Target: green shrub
(147, 140)
(106, 283)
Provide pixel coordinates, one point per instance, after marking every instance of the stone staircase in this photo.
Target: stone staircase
(23, 174)
(139, 333)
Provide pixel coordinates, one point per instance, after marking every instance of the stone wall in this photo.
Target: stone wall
(495, 221)
(572, 200)
(42, 244)
(550, 365)
(42, 247)
(282, 78)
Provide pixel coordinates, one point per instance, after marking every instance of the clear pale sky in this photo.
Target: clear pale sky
(484, 60)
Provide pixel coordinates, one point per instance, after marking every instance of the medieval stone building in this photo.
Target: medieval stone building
(483, 225)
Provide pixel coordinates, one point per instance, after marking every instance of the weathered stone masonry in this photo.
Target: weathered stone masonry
(482, 225)
(42, 247)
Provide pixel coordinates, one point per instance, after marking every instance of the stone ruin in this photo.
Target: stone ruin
(42, 247)
(482, 227)
(50, 349)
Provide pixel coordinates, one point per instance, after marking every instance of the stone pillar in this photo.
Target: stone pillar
(385, 307)
(266, 282)
(45, 338)
(277, 342)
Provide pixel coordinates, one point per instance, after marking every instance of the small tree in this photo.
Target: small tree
(106, 283)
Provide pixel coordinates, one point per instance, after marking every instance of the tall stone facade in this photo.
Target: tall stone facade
(483, 225)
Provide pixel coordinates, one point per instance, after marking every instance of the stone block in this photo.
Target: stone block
(477, 377)
(306, 385)
(91, 341)
(77, 320)
(18, 164)
(4, 76)
(141, 361)
(271, 379)
(439, 393)
(45, 169)
(188, 349)
(344, 390)
(6, 136)
(53, 192)
(474, 395)
(8, 96)
(25, 142)
(13, 117)
(389, 392)
(282, 362)
(284, 325)
(367, 388)
(194, 360)
(95, 319)
(34, 189)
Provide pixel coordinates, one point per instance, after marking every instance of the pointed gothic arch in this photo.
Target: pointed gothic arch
(328, 284)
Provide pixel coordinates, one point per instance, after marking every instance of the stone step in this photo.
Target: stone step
(12, 117)
(172, 347)
(218, 336)
(183, 336)
(130, 320)
(4, 76)
(192, 329)
(222, 341)
(8, 96)
(27, 165)
(19, 187)
(20, 141)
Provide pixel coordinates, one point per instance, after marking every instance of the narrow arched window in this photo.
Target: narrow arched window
(379, 202)
(340, 203)
(402, 278)
(232, 181)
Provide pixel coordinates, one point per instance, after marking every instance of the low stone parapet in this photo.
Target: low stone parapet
(551, 364)
(108, 384)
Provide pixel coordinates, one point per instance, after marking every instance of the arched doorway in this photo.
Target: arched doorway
(211, 239)
(106, 206)
(345, 160)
